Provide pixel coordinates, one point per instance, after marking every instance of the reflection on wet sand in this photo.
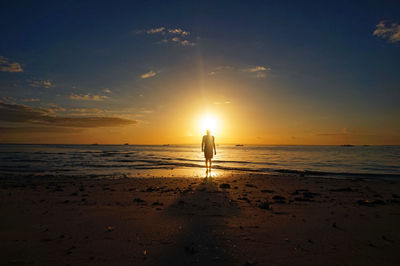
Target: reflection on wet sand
(182, 172)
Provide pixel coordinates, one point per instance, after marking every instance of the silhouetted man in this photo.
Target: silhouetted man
(208, 146)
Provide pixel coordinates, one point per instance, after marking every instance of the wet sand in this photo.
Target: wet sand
(236, 219)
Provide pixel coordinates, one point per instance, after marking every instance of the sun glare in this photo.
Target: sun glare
(209, 122)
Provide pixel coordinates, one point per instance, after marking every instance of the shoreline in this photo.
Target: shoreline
(239, 219)
(199, 172)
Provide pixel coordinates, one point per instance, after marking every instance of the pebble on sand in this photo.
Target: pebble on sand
(370, 203)
(265, 205)
(224, 185)
(138, 200)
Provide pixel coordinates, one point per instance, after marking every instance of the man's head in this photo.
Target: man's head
(208, 132)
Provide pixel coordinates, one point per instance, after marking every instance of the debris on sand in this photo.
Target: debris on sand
(302, 199)
(298, 191)
(267, 191)
(245, 199)
(69, 251)
(224, 185)
(308, 194)
(265, 205)
(138, 200)
(279, 199)
(371, 203)
(110, 228)
(157, 203)
(346, 189)
(190, 249)
(388, 240)
(394, 201)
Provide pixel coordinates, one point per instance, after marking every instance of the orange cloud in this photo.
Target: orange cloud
(149, 74)
(24, 114)
(6, 66)
(388, 31)
(88, 97)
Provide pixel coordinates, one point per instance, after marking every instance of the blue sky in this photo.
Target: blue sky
(141, 60)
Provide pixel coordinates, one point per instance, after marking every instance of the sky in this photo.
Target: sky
(150, 72)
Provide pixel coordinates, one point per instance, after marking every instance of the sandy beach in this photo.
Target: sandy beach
(236, 219)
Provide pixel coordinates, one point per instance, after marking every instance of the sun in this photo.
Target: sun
(209, 122)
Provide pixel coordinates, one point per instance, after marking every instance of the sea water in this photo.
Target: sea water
(188, 160)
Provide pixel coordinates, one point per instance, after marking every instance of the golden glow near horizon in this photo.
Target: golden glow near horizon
(233, 115)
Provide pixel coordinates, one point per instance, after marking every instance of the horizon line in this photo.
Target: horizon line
(187, 144)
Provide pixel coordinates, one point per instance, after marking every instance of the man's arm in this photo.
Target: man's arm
(215, 150)
(202, 144)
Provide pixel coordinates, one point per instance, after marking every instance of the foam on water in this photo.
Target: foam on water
(110, 160)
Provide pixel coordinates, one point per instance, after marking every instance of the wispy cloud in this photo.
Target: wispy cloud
(156, 30)
(255, 71)
(147, 111)
(41, 83)
(176, 36)
(88, 97)
(85, 111)
(40, 129)
(187, 43)
(107, 90)
(179, 31)
(53, 109)
(28, 100)
(220, 69)
(164, 30)
(389, 31)
(178, 41)
(25, 114)
(7, 66)
(225, 102)
(149, 74)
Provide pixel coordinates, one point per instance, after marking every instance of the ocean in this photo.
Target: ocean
(187, 160)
